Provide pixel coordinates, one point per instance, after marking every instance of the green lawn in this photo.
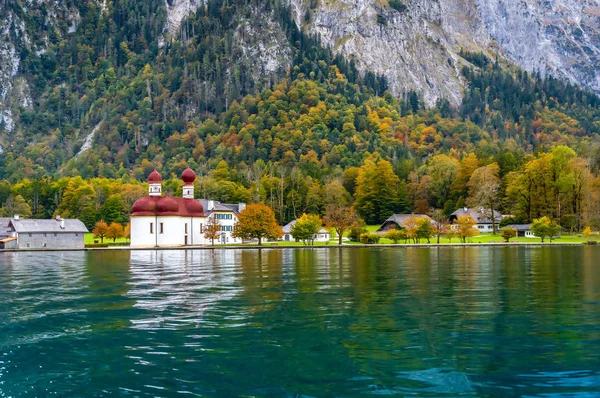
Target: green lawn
(88, 239)
(489, 238)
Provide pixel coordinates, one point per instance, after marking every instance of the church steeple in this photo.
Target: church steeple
(155, 184)
(188, 176)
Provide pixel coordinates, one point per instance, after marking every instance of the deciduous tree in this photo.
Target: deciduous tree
(257, 221)
(115, 231)
(100, 230)
(339, 218)
(466, 227)
(212, 229)
(484, 186)
(306, 227)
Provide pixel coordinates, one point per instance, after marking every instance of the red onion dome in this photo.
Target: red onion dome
(188, 176)
(167, 205)
(154, 177)
(144, 206)
(194, 208)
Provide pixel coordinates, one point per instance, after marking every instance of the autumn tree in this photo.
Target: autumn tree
(15, 205)
(257, 221)
(544, 227)
(424, 229)
(466, 227)
(340, 218)
(484, 186)
(442, 169)
(440, 223)
(395, 235)
(306, 227)
(127, 231)
(212, 229)
(376, 191)
(507, 233)
(114, 231)
(411, 227)
(100, 230)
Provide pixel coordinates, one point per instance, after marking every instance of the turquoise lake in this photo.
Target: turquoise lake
(478, 321)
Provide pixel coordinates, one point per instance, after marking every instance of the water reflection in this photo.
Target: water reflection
(319, 322)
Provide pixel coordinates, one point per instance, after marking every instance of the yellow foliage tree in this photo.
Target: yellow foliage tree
(466, 227)
(257, 221)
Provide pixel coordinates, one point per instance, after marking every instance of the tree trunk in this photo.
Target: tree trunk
(260, 240)
(340, 235)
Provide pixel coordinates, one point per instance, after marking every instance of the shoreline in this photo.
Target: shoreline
(274, 247)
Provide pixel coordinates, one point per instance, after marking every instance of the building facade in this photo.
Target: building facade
(226, 215)
(66, 234)
(167, 221)
(483, 218)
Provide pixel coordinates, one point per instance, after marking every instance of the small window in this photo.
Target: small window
(201, 228)
(151, 228)
(44, 235)
(44, 245)
(28, 243)
(76, 235)
(186, 230)
(30, 237)
(55, 235)
(162, 228)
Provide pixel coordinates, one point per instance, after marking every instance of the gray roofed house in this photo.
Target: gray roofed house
(397, 220)
(523, 230)
(482, 216)
(211, 206)
(51, 234)
(321, 236)
(5, 230)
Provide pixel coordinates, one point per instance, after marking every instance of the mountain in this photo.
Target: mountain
(416, 43)
(92, 87)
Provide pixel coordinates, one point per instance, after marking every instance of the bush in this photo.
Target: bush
(395, 235)
(508, 233)
(591, 243)
(369, 238)
(356, 230)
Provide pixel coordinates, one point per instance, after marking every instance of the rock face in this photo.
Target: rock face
(15, 38)
(416, 44)
(557, 37)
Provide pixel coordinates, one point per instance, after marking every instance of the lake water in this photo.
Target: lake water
(323, 322)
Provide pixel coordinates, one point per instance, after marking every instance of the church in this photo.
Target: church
(167, 221)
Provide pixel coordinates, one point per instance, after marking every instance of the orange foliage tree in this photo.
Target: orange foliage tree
(257, 221)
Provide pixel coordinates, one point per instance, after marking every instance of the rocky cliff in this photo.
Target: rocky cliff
(415, 43)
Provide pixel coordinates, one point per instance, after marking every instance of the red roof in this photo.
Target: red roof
(188, 176)
(154, 177)
(167, 206)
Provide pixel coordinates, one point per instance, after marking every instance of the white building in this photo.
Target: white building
(226, 215)
(321, 236)
(167, 221)
(481, 216)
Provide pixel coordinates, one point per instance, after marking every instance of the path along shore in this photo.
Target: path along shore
(278, 247)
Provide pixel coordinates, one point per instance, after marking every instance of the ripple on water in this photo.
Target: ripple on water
(318, 322)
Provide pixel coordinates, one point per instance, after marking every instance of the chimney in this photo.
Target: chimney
(58, 217)
(466, 209)
(211, 205)
(16, 217)
(62, 224)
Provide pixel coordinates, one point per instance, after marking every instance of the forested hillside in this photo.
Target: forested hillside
(119, 97)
